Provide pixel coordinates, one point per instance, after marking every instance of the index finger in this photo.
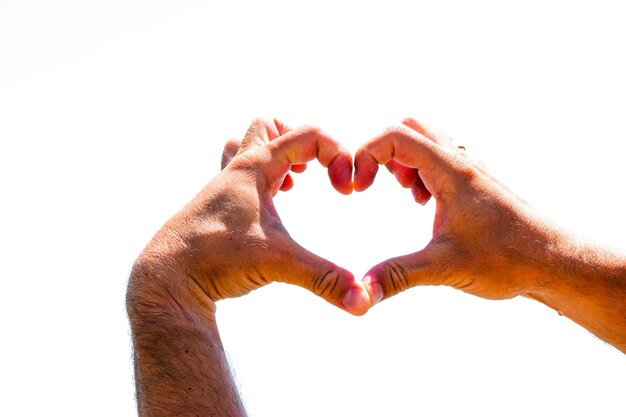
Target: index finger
(398, 143)
(304, 144)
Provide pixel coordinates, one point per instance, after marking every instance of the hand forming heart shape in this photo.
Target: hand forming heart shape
(232, 239)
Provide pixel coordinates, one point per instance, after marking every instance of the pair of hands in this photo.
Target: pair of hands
(229, 240)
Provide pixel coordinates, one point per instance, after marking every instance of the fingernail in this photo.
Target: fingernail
(354, 301)
(377, 292)
(375, 289)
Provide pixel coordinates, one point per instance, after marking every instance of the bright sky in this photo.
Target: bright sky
(113, 115)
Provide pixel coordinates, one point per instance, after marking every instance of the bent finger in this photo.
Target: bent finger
(298, 168)
(406, 176)
(287, 183)
(399, 143)
(409, 178)
(262, 131)
(304, 144)
(420, 193)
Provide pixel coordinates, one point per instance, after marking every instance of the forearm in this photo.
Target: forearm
(587, 284)
(180, 365)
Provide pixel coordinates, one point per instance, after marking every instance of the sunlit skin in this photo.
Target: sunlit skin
(234, 231)
(226, 242)
(229, 240)
(487, 241)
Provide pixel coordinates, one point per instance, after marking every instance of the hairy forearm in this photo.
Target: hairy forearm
(180, 365)
(587, 284)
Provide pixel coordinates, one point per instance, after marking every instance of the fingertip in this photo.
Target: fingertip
(378, 285)
(356, 301)
(365, 170)
(363, 181)
(287, 183)
(340, 174)
(420, 194)
(360, 186)
(374, 290)
(408, 176)
(424, 200)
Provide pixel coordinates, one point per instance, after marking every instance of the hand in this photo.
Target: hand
(485, 240)
(229, 240)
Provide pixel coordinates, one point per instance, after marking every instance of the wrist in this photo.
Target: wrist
(571, 265)
(157, 291)
(542, 251)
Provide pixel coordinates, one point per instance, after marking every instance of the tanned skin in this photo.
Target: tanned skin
(225, 243)
(486, 240)
(229, 240)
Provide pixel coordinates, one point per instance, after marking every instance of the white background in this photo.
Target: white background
(113, 115)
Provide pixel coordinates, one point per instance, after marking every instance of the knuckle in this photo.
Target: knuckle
(324, 284)
(310, 130)
(232, 144)
(258, 126)
(399, 132)
(393, 130)
(261, 122)
(464, 167)
(230, 150)
(397, 276)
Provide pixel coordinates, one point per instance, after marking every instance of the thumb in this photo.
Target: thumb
(397, 274)
(322, 277)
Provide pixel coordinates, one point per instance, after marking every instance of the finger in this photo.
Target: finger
(304, 144)
(399, 143)
(230, 150)
(420, 193)
(287, 183)
(260, 132)
(282, 127)
(409, 178)
(322, 277)
(437, 137)
(299, 168)
(401, 273)
(365, 170)
(417, 126)
(406, 176)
